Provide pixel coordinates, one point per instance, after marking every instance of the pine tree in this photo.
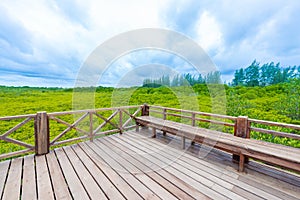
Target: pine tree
(239, 77)
(252, 74)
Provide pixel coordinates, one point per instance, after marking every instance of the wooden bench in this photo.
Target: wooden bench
(287, 157)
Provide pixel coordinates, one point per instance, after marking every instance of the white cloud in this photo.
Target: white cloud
(208, 31)
(62, 40)
(235, 33)
(55, 37)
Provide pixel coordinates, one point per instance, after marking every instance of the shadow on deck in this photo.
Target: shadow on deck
(135, 166)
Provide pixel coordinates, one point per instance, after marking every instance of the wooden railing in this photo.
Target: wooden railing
(24, 147)
(193, 115)
(48, 130)
(252, 125)
(53, 129)
(242, 126)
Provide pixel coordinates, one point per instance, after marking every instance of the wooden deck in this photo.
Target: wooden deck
(135, 166)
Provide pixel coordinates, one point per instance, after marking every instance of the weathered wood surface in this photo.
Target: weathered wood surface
(191, 112)
(272, 153)
(270, 123)
(241, 130)
(43, 181)
(29, 183)
(41, 126)
(42, 143)
(41, 129)
(12, 184)
(136, 166)
(91, 110)
(219, 164)
(180, 113)
(276, 133)
(5, 136)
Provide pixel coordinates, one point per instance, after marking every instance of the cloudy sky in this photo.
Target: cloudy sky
(46, 42)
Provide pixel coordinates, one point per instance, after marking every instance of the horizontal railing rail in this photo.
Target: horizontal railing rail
(253, 123)
(20, 147)
(48, 130)
(59, 128)
(242, 125)
(194, 115)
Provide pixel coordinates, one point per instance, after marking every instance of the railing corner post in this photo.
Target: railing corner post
(241, 127)
(41, 132)
(145, 110)
(241, 130)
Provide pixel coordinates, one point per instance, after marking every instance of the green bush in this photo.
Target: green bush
(274, 103)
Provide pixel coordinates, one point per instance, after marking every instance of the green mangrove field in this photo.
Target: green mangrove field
(277, 102)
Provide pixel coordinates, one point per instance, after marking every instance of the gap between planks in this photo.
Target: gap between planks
(213, 167)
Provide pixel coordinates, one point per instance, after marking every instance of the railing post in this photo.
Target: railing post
(41, 132)
(91, 127)
(165, 113)
(193, 124)
(121, 121)
(193, 119)
(241, 130)
(145, 110)
(164, 117)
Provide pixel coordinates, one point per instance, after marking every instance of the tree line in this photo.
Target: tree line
(253, 75)
(264, 75)
(184, 79)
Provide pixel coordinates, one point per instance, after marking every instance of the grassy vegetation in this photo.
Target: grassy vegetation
(275, 103)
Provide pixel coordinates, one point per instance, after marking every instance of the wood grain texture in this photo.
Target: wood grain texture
(120, 183)
(272, 153)
(144, 191)
(213, 172)
(104, 182)
(4, 166)
(136, 166)
(60, 187)
(12, 187)
(85, 177)
(29, 180)
(76, 188)
(42, 142)
(43, 180)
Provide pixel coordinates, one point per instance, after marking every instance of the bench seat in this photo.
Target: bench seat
(277, 154)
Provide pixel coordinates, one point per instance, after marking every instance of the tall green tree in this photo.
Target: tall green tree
(165, 80)
(213, 77)
(252, 74)
(239, 77)
(297, 73)
(175, 80)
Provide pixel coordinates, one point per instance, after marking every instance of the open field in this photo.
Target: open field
(273, 103)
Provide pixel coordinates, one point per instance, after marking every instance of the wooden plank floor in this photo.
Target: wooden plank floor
(135, 166)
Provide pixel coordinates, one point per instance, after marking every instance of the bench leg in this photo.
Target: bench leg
(183, 142)
(236, 158)
(241, 163)
(137, 128)
(153, 132)
(164, 133)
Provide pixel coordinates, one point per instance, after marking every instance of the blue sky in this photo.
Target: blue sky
(45, 42)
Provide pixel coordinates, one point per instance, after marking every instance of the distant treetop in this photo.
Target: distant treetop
(254, 75)
(184, 79)
(263, 75)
